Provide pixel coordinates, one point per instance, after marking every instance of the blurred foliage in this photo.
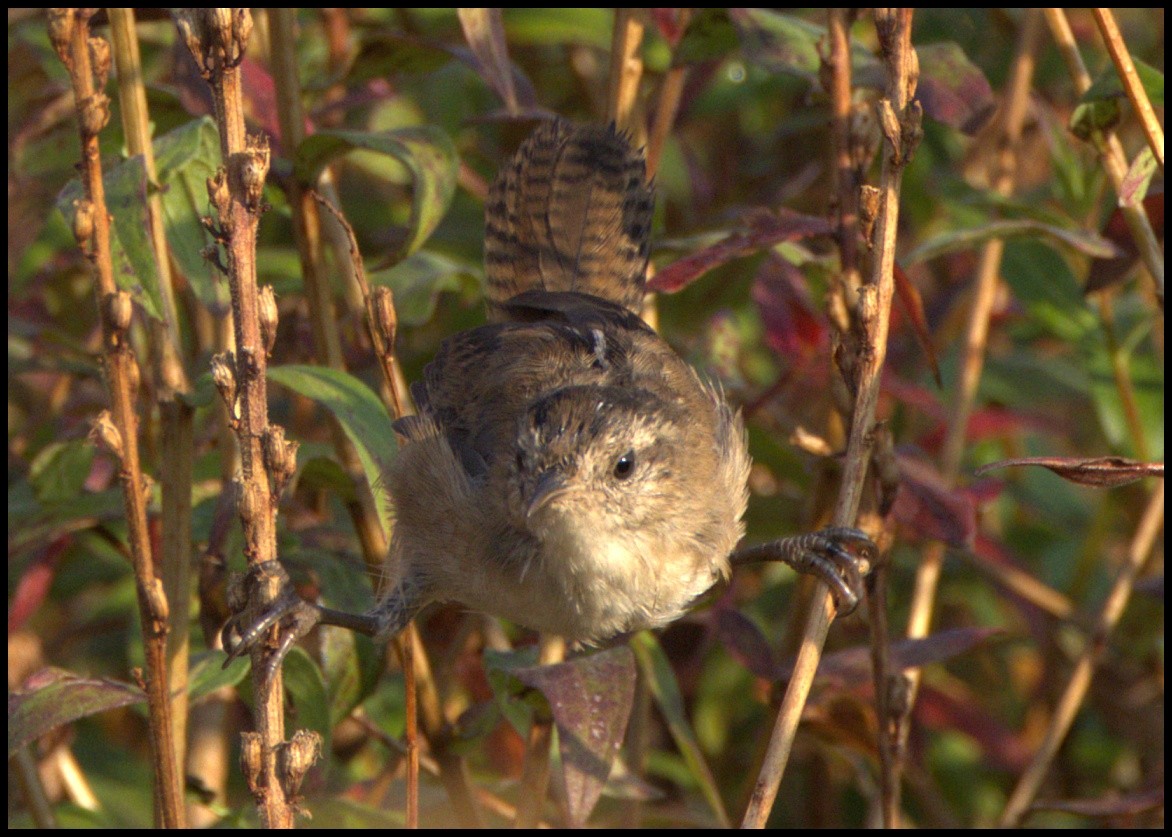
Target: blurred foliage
(394, 99)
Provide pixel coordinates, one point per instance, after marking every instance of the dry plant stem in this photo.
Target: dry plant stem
(170, 377)
(218, 39)
(1111, 152)
(1138, 551)
(964, 393)
(667, 105)
(626, 68)
(88, 62)
(535, 771)
(846, 210)
(901, 122)
(420, 686)
(1121, 56)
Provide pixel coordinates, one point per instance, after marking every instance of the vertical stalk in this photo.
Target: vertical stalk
(217, 39)
(175, 416)
(88, 61)
(900, 119)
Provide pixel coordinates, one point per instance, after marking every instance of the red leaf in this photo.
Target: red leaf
(766, 229)
(34, 582)
(793, 328)
(1107, 272)
(913, 306)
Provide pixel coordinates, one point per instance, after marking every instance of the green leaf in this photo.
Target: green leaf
(184, 160)
(54, 697)
(710, 35)
(426, 151)
(207, 673)
(58, 472)
(362, 417)
(1088, 243)
(132, 256)
(516, 700)
(1108, 85)
(555, 26)
(661, 680)
(306, 687)
(419, 279)
(788, 44)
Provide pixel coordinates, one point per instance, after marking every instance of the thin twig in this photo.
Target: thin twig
(1131, 83)
(1138, 551)
(1111, 152)
(900, 118)
(88, 61)
(626, 69)
(175, 416)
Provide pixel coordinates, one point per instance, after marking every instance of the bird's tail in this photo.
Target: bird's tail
(570, 212)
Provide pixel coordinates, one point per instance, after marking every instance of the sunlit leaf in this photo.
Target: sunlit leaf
(765, 230)
(185, 159)
(426, 151)
(362, 417)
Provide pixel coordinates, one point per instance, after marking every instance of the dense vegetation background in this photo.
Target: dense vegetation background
(409, 113)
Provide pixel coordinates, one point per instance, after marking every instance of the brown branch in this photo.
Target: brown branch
(1075, 692)
(88, 61)
(217, 39)
(900, 118)
(667, 105)
(626, 69)
(175, 416)
(1121, 56)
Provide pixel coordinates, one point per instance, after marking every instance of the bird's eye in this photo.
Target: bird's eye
(625, 465)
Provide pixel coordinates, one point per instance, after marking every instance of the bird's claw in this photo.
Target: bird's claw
(260, 600)
(839, 556)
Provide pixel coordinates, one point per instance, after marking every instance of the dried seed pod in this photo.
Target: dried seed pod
(94, 114)
(386, 322)
(119, 310)
(61, 26)
(83, 223)
(99, 60)
(268, 317)
(106, 433)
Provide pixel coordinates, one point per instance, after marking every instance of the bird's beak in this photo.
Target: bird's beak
(550, 485)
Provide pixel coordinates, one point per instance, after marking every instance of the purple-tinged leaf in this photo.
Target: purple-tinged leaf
(952, 89)
(590, 701)
(1100, 472)
(928, 506)
(53, 697)
(765, 230)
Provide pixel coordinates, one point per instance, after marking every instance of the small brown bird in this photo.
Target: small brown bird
(567, 470)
